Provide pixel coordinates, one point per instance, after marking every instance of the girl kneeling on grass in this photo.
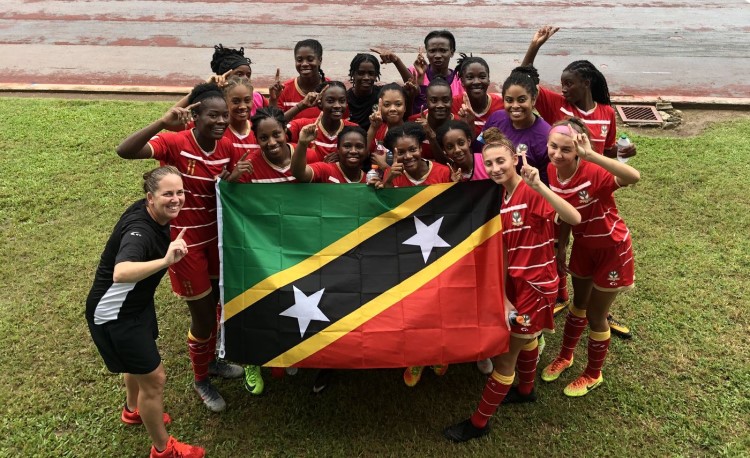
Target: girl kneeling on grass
(601, 260)
(120, 307)
(528, 211)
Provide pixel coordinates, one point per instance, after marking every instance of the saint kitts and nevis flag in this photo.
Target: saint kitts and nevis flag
(326, 276)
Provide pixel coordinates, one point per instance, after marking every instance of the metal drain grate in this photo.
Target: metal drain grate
(639, 114)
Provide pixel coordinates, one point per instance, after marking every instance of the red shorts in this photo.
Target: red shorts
(191, 276)
(611, 268)
(538, 305)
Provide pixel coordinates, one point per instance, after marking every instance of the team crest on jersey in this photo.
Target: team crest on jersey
(583, 195)
(516, 216)
(604, 131)
(613, 278)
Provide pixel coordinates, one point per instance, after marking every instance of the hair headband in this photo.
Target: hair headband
(564, 129)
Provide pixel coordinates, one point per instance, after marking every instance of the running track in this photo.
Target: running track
(644, 47)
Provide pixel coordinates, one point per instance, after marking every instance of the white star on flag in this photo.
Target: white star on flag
(427, 237)
(305, 309)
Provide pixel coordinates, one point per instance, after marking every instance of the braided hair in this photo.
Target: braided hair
(225, 59)
(360, 59)
(235, 81)
(588, 72)
(267, 113)
(464, 61)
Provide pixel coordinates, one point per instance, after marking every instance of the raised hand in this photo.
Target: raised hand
(274, 92)
(456, 175)
(411, 87)
(420, 64)
(178, 116)
(376, 118)
(543, 34)
(177, 249)
(386, 55)
(422, 121)
(396, 169)
(582, 145)
(308, 133)
(319, 97)
(243, 166)
(466, 112)
(220, 80)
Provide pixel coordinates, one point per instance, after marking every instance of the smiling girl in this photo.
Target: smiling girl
(519, 123)
(200, 154)
(438, 112)
(297, 97)
(332, 95)
(409, 167)
(389, 113)
(528, 211)
(601, 259)
(455, 138)
(475, 104)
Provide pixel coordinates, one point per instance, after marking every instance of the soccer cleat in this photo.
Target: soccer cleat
(464, 431)
(177, 449)
(322, 378)
(514, 397)
(210, 396)
(541, 343)
(412, 375)
(557, 367)
(582, 385)
(134, 417)
(485, 366)
(618, 328)
(253, 380)
(560, 306)
(440, 369)
(223, 369)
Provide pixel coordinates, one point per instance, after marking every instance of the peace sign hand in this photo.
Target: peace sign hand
(420, 64)
(456, 175)
(466, 112)
(411, 88)
(376, 118)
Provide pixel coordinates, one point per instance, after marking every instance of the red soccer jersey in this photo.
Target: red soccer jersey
(245, 142)
(437, 173)
(495, 104)
(325, 143)
(325, 172)
(291, 95)
(600, 120)
(528, 235)
(266, 172)
(199, 169)
(590, 190)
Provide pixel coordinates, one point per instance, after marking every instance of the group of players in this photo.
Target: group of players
(557, 169)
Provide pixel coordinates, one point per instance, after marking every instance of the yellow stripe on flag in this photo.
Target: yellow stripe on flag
(332, 251)
(371, 309)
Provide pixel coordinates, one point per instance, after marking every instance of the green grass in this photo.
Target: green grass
(679, 388)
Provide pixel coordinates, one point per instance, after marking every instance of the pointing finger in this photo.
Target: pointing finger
(244, 155)
(182, 232)
(278, 75)
(190, 107)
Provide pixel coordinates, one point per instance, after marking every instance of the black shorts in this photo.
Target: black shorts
(128, 345)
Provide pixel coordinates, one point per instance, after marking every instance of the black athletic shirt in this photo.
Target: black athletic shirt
(138, 238)
(360, 108)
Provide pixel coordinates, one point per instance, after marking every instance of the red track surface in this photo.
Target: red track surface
(644, 48)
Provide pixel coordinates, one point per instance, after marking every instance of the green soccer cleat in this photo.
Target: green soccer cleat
(253, 380)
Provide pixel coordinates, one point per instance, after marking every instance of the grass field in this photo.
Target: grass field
(678, 388)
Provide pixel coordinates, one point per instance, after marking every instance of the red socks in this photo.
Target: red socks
(200, 355)
(494, 392)
(526, 366)
(598, 347)
(575, 323)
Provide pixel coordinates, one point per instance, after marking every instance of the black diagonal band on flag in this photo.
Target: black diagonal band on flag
(260, 333)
